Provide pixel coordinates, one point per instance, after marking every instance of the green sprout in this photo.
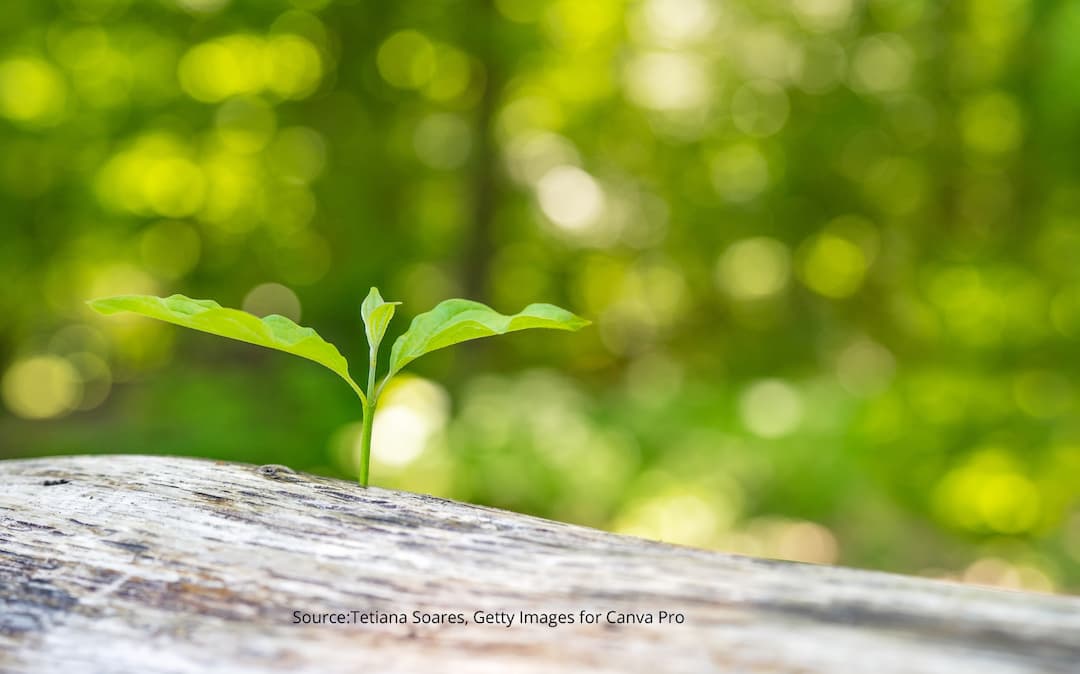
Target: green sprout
(450, 322)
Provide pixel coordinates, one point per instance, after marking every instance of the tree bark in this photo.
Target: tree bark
(479, 245)
(163, 564)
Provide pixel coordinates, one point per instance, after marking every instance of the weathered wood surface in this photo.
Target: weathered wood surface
(156, 564)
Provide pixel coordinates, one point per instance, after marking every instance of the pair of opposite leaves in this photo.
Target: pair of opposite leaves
(450, 322)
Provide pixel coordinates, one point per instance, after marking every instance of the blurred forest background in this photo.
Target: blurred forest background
(831, 249)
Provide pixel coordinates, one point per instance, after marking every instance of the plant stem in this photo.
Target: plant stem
(369, 419)
(365, 443)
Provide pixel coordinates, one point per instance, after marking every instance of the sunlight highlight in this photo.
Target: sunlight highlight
(570, 198)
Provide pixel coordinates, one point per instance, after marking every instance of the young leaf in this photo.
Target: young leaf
(273, 332)
(376, 314)
(454, 321)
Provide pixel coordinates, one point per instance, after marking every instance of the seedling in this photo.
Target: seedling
(450, 322)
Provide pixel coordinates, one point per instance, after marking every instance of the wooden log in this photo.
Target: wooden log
(161, 564)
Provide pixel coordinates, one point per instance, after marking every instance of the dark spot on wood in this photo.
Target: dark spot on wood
(97, 529)
(24, 607)
(25, 564)
(53, 483)
(278, 472)
(129, 545)
(13, 621)
(391, 522)
(22, 525)
(191, 598)
(211, 497)
(339, 495)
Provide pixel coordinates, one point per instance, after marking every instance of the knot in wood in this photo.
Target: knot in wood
(276, 471)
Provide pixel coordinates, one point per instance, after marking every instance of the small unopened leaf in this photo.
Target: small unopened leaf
(454, 321)
(272, 332)
(376, 314)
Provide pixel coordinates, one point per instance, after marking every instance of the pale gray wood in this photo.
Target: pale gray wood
(158, 564)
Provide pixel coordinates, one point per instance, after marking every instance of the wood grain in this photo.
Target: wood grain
(161, 564)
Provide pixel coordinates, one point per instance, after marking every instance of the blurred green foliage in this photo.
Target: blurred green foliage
(830, 246)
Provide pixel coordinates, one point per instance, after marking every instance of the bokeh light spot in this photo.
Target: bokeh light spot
(989, 493)
(832, 266)
(529, 114)
(453, 74)
(570, 198)
(667, 81)
(822, 15)
(771, 408)
(882, 64)
(287, 65)
(32, 92)
(41, 387)
(406, 59)
(531, 155)
(781, 538)
(996, 572)
(154, 176)
(202, 6)
(807, 542)
(753, 268)
(228, 66)
(576, 26)
(121, 279)
(674, 23)
(272, 298)
(865, 367)
(765, 52)
(686, 516)
(174, 187)
(292, 66)
(1008, 503)
(412, 410)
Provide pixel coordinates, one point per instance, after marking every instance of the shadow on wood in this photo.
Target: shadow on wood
(161, 564)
